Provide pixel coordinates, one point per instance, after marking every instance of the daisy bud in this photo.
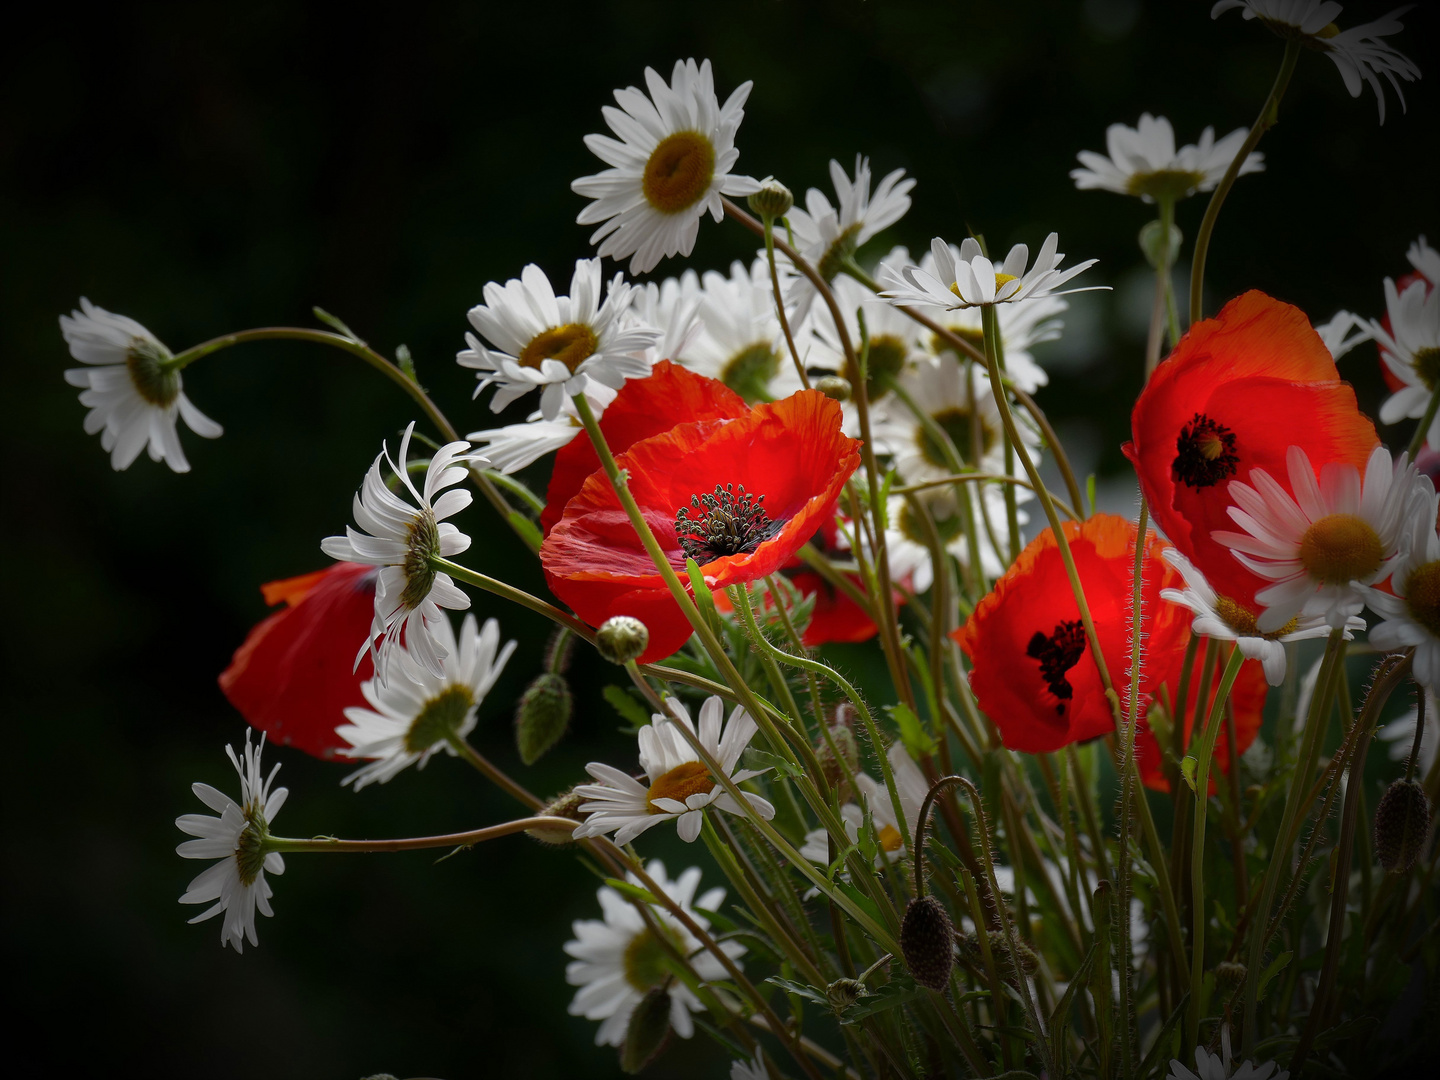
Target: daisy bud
(649, 1028)
(1401, 822)
(1152, 244)
(621, 638)
(564, 805)
(834, 387)
(845, 992)
(1229, 976)
(927, 940)
(773, 200)
(542, 715)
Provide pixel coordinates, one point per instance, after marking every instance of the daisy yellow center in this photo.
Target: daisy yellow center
(158, 385)
(249, 849)
(691, 778)
(646, 962)
(889, 837)
(913, 528)
(1427, 366)
(1243, 623)
(571, 344)
(1341, 548)
(886, 358)
(423, 538)
(959, 425)
(1422, 596)
(438, 718)
(750, 370)
(679, 172)
(1002, 280)
(1165, 183)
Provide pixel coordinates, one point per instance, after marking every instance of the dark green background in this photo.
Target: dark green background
(204, 171)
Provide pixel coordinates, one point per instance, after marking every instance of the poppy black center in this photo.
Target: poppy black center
(728, 522)
(1204, 453)
(1058, 653)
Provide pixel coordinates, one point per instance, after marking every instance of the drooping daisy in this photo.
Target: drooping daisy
(514, 446)
(741, 342)
(1411, 611)
(1410, 351)
(671, 306)
(132, 397)
(1143, 161)
(1322, 547)
(964, 277)
(680, 785)
(620, 959)
(236, 883)
(409, 719)
(559, 343)
(826, 236)
(403, 539)
(1222, 618)
(1359, 52)
(671, 163)
(1210, 1066)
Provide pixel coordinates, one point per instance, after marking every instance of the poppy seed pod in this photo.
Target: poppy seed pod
(927, 939)
(1401, 821)
(564, 805)
(542, 715)
(648, 1030)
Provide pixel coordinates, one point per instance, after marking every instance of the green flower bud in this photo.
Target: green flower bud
(831, 767)
(927, 940)
(621, 639)
(773, 200)
(1151, 241)
(1229, 976)
(834, 387)
(1402, 821)
(542, 716)
(845, 992)
(564, 805)
(649, 1029)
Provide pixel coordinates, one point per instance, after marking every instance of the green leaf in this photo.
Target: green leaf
(406, 362)
(892, 994)
(1089, 494)
(629, 709)
(1060, 1018)
(1276, 966)
(703, 598)
(1188, 765)
(759, 759)
(335, 324)
(860, 900)
(634, 892)
(809, 993)
(916, 739)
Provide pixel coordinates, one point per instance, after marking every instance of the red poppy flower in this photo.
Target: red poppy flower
(1032, 669)
(738, 495)
(295, 673)
(669, 395)
(1236, 393)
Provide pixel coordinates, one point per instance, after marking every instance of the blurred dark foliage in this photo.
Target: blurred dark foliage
(205, 168)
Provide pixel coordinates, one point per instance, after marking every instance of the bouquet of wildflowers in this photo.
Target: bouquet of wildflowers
(1058, 844)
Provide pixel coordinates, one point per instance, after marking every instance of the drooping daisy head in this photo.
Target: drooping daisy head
(236, 883)
(679, 784)
(559, 343)
(133, 395)
(964, 277)
(1411, 609)
(671, 163)
(410, 719)
(404, 540)
(618, 960)
(1143, 161)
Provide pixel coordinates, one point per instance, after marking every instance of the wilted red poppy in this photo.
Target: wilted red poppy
(295, 673)
(1238, 391)
(738, 495)
(1032, 668)
(669, 395)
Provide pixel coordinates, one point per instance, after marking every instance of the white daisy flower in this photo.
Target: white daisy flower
(1222, 618)
(754, 1069)
(895, 342)
(741, 342)
(680, 786)
(1410, 349)
(510, 448)
(403, 539)
(1411, 612)
(1143, 161)
(826, 235)
(132, 397)
(1425, 260)
(1022, 327)
(236, 883)
(1400, 734)
(559, 343)
(1359, 52)
(1210, 1066)
(618, 960)
(906, 545)
(671, 163)
(963, 277)
(409, 719)
(673, 307)
(1338, 336)
(910, 785)
(1322, 547)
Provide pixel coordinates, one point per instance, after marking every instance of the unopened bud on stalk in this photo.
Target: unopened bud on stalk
(1229, 976)
(834, 387)
(1025, 958)
(834, 768)
(1401, 822)
(1152, 243)
(542, 715)
(845, 992)
(773, 200)
(927, 940)
(648, 1029)
(564, 805)
(621, 638)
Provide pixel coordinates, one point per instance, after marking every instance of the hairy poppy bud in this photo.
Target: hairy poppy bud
(1025, 958)
(648, 1029)
(844, 992)
(773, 200)
(927, 939)
(1152, 243)
(1229, 976)
(542, 716)
(621, 639)
(1401, 821)
(833, 767)
(564, 805)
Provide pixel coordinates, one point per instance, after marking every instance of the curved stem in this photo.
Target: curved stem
(1162, 287)
(780, 301)
(496, 776)
(509, 592)
(286, 845)
(1418, 439)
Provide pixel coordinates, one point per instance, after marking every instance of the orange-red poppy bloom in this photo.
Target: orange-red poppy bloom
(739, 495)
(295, 673)
(1238, 391)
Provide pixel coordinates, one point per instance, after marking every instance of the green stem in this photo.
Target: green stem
(1418, 439)
(1269, 114)
(490, 772)
(285, 845)
(769, 223)
(1162, 286)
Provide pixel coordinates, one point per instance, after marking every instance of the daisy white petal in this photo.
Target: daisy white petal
(976, 281)
(1143, 161)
